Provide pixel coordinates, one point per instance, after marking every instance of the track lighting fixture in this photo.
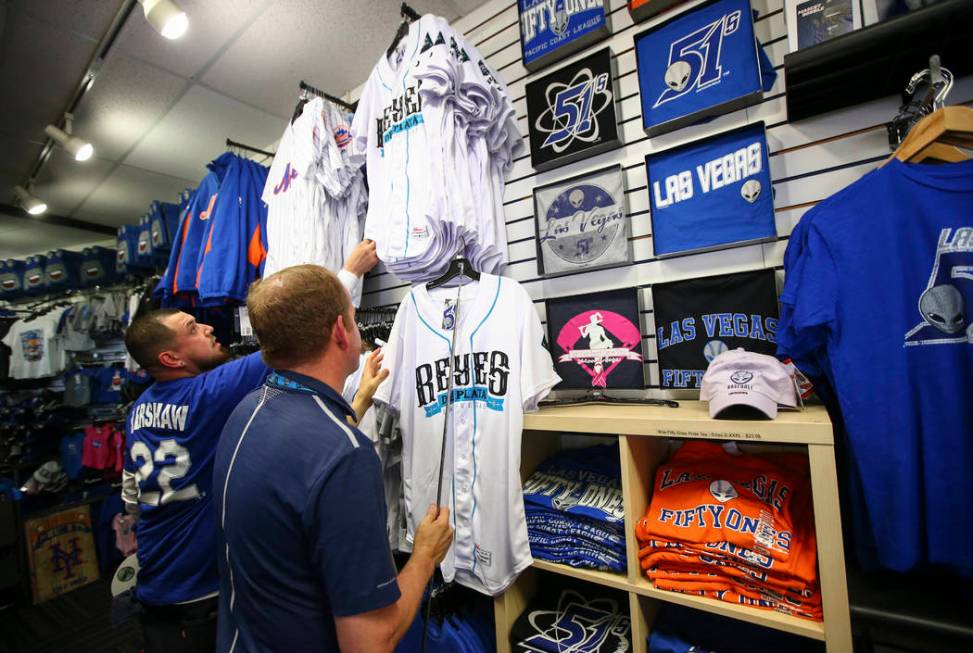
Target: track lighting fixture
(80, 149)
(166, 17)
(30, 203)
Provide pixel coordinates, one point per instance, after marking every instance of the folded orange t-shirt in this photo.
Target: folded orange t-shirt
(704, 494)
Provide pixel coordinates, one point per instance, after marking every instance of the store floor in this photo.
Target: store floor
(78, 622)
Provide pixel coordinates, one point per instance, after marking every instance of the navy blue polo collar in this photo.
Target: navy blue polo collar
(295, 382)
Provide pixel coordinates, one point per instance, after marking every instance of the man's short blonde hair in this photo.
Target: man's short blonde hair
(293, 313)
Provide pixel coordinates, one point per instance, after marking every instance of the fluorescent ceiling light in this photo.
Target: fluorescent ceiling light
(81, 150)
(166, 17)
(30, 203)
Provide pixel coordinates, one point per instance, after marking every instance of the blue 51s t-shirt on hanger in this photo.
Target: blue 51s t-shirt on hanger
(879, 296)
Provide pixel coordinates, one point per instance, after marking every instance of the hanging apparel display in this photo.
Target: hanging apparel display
(36, 349)
(315, 192)
(438, 131)
(221, 242)
(895, 343)
(500, 370)
(738, 528)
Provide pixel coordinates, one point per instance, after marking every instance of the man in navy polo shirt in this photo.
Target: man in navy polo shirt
(304, 556)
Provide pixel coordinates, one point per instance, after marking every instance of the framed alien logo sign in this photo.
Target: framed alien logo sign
(702, 63)
(553, 29)
(582, 223)
(596, 340)
(571, 112)
(711, 193)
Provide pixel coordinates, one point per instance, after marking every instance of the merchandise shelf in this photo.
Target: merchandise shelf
(644, 436)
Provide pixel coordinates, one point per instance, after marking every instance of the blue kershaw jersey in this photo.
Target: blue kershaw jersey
(171, 437)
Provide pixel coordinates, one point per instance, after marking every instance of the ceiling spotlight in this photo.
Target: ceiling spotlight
(30, 203)
(81, 150)
(166, 17)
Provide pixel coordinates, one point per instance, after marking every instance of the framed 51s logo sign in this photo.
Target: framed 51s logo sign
(704, 62)
(571, 112)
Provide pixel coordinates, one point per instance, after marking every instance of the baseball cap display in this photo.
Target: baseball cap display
(47, 478)
(742, 378)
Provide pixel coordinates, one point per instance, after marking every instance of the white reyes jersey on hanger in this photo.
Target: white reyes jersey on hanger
(500, 369)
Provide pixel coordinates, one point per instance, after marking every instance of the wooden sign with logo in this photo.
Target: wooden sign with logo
(61, 552)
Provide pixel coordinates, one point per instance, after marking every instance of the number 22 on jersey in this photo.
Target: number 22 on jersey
(175, 462)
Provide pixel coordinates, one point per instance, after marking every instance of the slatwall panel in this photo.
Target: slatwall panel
(809, 161)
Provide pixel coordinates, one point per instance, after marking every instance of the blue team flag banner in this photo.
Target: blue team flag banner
(552, 29)
(703, 63)
(712, 193)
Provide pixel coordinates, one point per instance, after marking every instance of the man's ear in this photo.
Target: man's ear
(168, 359)
(339, 332)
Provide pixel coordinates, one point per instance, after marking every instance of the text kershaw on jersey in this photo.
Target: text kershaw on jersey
(157, 415)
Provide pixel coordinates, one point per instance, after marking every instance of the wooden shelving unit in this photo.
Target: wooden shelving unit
(643, 433)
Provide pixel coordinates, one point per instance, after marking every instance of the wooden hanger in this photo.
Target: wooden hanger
(939, 136)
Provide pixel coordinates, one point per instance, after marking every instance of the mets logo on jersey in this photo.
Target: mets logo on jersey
(578, 625)
(342, 136)
(582, 223)
(598, 341)
(290, 174)
(946, 305)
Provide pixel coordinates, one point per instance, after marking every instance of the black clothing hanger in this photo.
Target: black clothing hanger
(458, 267)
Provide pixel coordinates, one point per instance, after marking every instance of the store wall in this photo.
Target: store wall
(810, 160)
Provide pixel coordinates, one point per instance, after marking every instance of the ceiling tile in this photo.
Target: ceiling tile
(64, 183)
(18, 154)
(297, 40)
(90, 18)
(211, 24)
(194, 133)
(126, 100)
(38, 75)
(126, 194)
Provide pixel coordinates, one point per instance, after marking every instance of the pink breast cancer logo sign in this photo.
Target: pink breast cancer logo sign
(598, 341)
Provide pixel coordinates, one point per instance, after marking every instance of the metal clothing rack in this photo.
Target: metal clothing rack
(307, 88)
(249, 148)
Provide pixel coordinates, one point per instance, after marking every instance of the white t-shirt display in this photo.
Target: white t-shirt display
(36, 349)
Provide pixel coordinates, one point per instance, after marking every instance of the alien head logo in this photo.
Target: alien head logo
(750, 190)
(741, 377)
(677, 75)
(559, 24)
(576, 198)
(942, 307)
(723, 491)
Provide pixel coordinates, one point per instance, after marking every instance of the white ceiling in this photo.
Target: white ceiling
(160, 110)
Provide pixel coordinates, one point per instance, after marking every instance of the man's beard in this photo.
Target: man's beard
(223, 357)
